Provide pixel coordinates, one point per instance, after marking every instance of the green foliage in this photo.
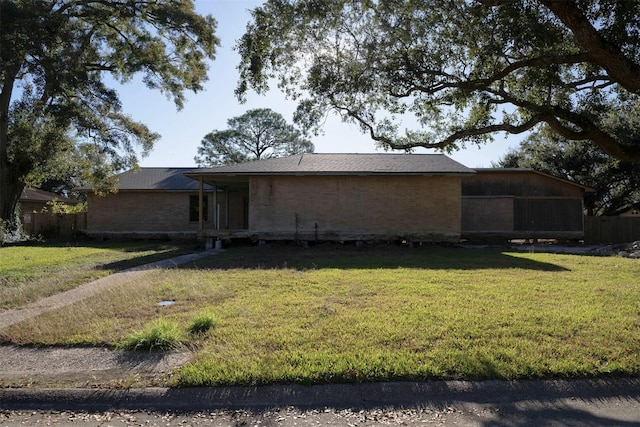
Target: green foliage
(616, 183)
(57, 207)
(159, 335)
(67, 121)
(257, 134)
(452, 73)
(12, 231)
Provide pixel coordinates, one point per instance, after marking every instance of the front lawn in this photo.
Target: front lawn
(335, 314)
(28, 273)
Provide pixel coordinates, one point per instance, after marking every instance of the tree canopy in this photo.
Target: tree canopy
(55, 57)
(443, 74)
(257, 134)
(616, 184)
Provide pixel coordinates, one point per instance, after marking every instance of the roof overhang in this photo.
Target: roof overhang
(241, 180)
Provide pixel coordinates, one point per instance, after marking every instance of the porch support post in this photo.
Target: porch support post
(228, 209)
(216, 211)
(200, 205)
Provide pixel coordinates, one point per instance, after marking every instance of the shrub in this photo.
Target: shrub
(202, 323)
(159, 335)
(12, 232)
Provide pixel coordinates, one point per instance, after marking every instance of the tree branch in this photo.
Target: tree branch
(553, 115)
(541, 62)
(606, 54)
(466, 133)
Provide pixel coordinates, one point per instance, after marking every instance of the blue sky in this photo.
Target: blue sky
(210, 109)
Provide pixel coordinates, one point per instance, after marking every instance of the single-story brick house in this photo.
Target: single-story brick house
(36, 200)
(342, 197)
(311, 196)
(328, 197)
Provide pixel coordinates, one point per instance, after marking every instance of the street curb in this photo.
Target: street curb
(337, 396)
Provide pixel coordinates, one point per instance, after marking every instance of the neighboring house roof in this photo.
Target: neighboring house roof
(634, 209)
(343, 164)
(530, 171)
(41, 196)
(161, 179)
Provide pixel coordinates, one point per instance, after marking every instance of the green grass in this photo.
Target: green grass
(333, 314)
(28, 273)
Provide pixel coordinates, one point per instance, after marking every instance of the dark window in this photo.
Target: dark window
(194, 204)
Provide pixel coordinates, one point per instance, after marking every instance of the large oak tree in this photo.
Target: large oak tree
(445, 73)
(55, 60)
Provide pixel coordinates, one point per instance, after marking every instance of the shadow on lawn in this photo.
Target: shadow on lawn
(147, 259)
(370, 257)
(162, 250)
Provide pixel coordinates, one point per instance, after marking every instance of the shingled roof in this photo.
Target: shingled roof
(167, 179)
(37, 195)
(343, 164)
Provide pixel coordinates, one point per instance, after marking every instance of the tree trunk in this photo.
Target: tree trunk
(608, 55)
(10, 191)
(10, 185)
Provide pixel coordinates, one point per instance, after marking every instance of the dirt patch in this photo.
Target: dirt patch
(87, 367)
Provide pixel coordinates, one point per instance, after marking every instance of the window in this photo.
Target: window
(194, 205)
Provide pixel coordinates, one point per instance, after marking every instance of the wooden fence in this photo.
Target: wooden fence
(611, 229)
(53, 225)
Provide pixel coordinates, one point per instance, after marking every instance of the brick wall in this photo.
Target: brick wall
(151, 211)
(424, 208)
